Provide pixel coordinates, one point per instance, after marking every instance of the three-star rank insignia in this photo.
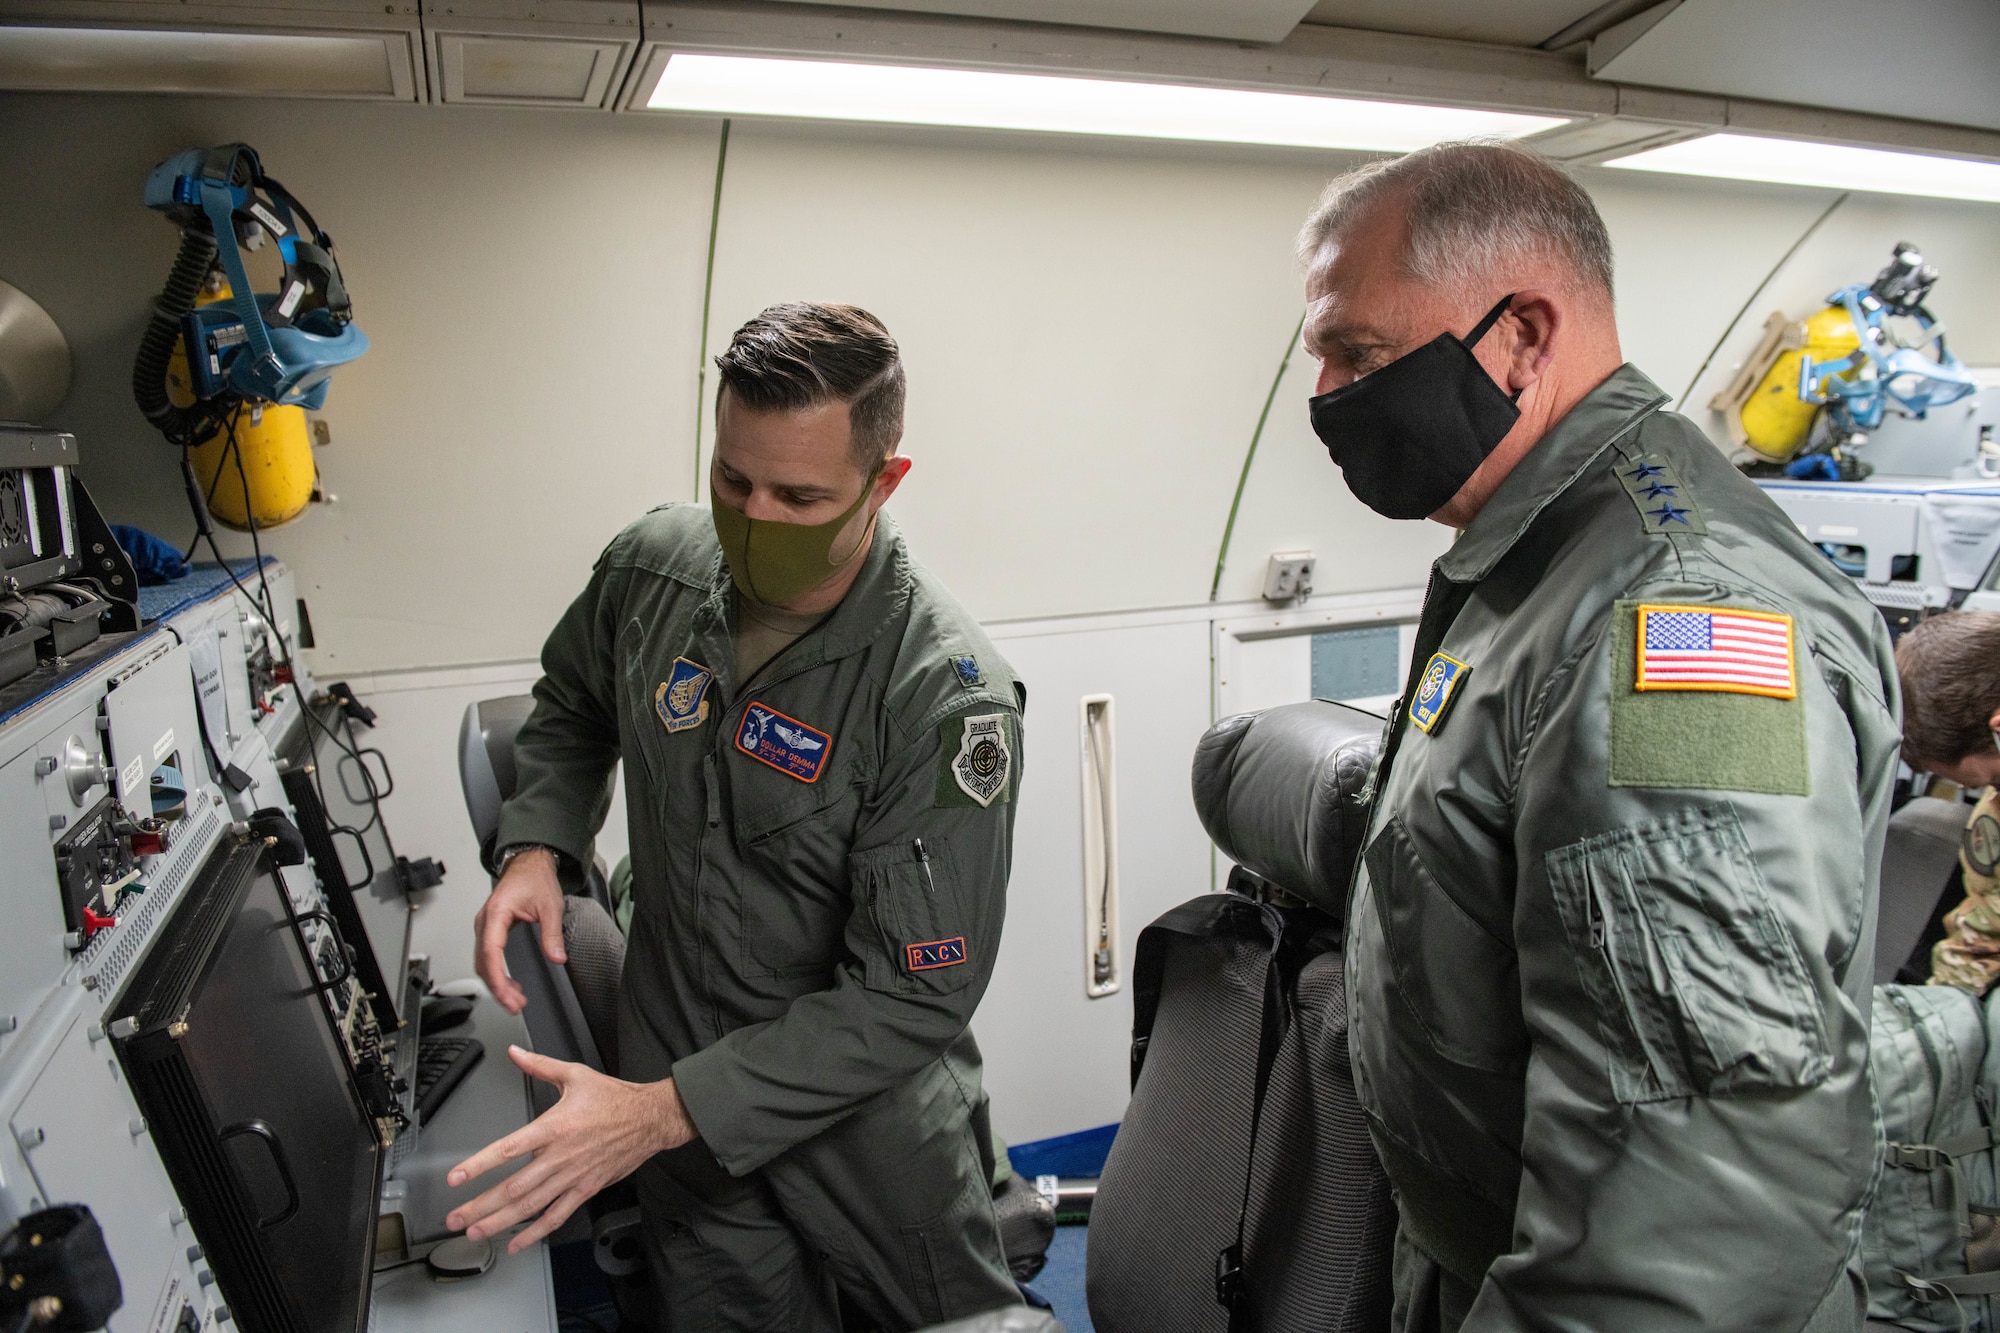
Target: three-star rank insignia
(682, 699)
(1664, 503)
(1441, 679)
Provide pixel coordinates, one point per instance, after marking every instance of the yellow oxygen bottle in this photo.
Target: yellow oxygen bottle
(272, 443)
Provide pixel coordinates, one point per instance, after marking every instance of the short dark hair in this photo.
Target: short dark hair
(796, 356)
(1949, 667)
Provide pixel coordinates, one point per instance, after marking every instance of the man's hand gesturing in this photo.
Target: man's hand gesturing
(599, 1133)
(528, 891)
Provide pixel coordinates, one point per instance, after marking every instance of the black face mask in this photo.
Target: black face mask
(1407, 436)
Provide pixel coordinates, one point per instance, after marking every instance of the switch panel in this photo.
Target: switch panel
(1289, 577)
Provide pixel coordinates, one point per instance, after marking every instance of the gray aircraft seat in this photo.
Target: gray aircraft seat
(572, 1011)
(1222, 986)
(1918, 858)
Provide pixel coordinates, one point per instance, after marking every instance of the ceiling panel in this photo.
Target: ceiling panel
(1921, 59)
(1516, 23)
(1238, 20)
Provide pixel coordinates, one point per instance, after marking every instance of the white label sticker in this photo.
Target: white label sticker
(163, 746)
(268, 218)
(291, 298)
(205, 657)
(132, 779)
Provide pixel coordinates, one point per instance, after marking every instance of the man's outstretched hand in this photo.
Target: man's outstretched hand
(598, 1134)
(529, 891)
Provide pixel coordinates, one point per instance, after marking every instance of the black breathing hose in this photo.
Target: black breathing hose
(181, 425)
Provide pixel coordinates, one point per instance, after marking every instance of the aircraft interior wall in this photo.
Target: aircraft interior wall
(1090, 327)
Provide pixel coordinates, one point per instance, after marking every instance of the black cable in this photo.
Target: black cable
(1680, 404)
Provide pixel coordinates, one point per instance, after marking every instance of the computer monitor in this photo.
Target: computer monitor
(246, 1088)
(335, 784)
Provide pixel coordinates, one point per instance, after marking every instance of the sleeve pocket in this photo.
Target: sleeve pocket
(1698, 985)
(919, 942)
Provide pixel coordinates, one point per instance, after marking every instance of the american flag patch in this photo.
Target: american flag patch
(1716, 648)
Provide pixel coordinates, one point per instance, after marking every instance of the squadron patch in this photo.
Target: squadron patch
(978, 761)
(936, 954)
(1981, 842)
(1434, 692)
(784, 743)
(682, 699)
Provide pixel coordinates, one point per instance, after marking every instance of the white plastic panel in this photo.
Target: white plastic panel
(528, 71)
(374, 66)
(32, 956)
(152, 715)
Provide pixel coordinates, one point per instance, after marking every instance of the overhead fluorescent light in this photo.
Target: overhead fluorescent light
(983, 99)
(1745, 157)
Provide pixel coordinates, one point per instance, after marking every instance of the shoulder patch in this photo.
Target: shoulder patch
(794, 748)
(1980, 845)
(967, 670)
(1664, 504)
(975, 760)
(1724, 649)
(1713, 738)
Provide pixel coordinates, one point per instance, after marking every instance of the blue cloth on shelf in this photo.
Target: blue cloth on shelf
(156, 560)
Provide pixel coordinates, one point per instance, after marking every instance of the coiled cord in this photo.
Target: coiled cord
(184, 426)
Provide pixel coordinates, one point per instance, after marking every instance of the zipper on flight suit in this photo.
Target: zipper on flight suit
(1595, 910)
(714, 791)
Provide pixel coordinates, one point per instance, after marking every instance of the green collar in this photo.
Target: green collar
(1551, 467)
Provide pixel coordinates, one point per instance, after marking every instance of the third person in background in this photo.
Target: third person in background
(1609, 1001)
(1950, 669)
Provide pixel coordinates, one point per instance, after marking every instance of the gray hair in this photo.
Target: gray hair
(1475, 206)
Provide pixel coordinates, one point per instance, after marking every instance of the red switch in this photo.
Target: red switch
(93, 922)
(149, 839)
(282, 673)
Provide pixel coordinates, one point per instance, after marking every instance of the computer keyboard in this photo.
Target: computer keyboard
(442, 1064)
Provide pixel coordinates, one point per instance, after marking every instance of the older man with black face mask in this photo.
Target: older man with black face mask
(1609, 940)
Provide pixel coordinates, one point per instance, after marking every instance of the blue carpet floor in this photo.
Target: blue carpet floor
(1061, 1282)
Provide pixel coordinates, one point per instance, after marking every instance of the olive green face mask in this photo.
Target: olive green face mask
(775, 563)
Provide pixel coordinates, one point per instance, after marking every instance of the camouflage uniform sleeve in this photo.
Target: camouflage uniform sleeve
(928, 874)
(1969, 954)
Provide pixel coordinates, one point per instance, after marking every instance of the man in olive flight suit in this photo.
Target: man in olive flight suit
(1609, 945)
(821, 754)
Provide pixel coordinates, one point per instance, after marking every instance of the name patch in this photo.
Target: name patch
(936, 954)
(784, 743)
(1716, 648)
(1434, 692)
(682, 699)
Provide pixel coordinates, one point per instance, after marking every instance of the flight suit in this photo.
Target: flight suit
(1610, 947)
(1969, 953)
(819, 870)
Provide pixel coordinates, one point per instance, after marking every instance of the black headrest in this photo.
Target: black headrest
(1280, 792)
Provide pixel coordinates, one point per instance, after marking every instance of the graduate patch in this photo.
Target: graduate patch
(1434, 692)
(976, 756)
(784, 743)
(936, 954)
(1717, 648)
(682, 699)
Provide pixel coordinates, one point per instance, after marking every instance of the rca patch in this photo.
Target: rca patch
(936, 954)
(976, 760)
(792, 747)
(682, 699)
